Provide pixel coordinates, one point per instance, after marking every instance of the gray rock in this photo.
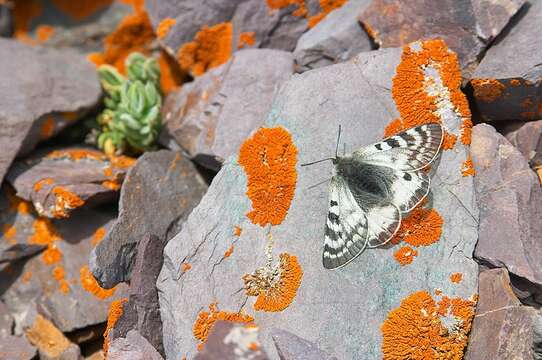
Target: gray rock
(16, 348)
(510, 199)
(33, 283)
(292, 347)
(342, 310)
(467, 26)
(19, 251)
(6, 21)
(37, 82)
(228, 341)
(502, 327)
(156, 197)
(6, 321)
(141, 312)
(527, 140)
(507, 82)
(52, 344)
(210, 117)
(132, 347)
(537, 336)
(48, 177)
(337, 38)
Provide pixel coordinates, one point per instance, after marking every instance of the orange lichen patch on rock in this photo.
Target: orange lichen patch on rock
(89, 283)
(27, 276)
(171, 76)
(44, 232)
(515, 82)
(405, 255)
(253, 346)
(98, 235)
(77, 154)
(246, 39)
(466, 131)
(23, 14)
(449, 141)
(206, 320)
(467, 168)
(422, 227)
(111, 184)
(415, 329)
(228, 252)
(52, 255)
(487, 90)
(60, 275)
(16, 203)
(164, 26)
(279, 4)
(122, 162)
(47, 337)
(9, 232)
(394, 128)
(65, 200)
(327, 7)
(456, 278)
(269, 160)
(237, 230)
(276, 287)
(115, 312)
(81, 9)
(185, 267)
(44, 32)
(211, 47)
(39, 185)
(47, 128)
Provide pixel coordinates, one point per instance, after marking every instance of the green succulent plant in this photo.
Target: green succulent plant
(131, 120)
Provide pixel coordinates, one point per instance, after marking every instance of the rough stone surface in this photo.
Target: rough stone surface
(510, 200)
(142, 312)
(6, 321)
(507, 83)
(132, 347)
(19, 251)
(16, 348)
(292, 347)
(467, 26)
(229, 341)
(502, 328)
(50, 341)
(210, 117)
(37, 82)
(90, 178)
(527, 140)
(157, 195)
(337, 38)
(26, 285)
(6, 21)
(342, 310)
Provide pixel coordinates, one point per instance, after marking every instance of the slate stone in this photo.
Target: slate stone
(6, 21)
(537, 336)
(157, 195)
(507, 82)
(31, 285)
(527, 140)
(16, 348)
(228, 341)
(510, 200)
(19, 251)
(502, 327)
(132, 347)
(210, 117)
(341, 311)
(467, 26)
(6, 321)
(337, 38)
(292, 347)
(95, 179)
(36, 83)
(50, 341)
(142, 312)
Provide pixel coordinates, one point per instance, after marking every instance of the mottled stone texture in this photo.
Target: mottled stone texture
(292, 347)
(132, 347)
(210, 117)
(527, 140)
(16, 348)
(157, 195)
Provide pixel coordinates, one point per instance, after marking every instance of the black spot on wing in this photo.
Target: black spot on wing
(333, 203)
(334, 218)
(392, 142)
(378, 147)
(407, 176)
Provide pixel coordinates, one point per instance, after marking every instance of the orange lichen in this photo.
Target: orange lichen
(108, 171)
(164, 26)
(422, 227)
(253, 346)
(47, 128)
(206, 320)
(9, 233)
(246, 39)
(44, 32)
(449, 141)
(277, 287)
(269, 160)
(111, 184)
(228, 252)
(65, 200)
(237, 230)
(467, 168)
(23, 14)
(487, 90)
(27, 276)
(44, 232)
(171, 76)
(456, 278)
(280, 4)
(115, 312)
(327, 7)
(185, 267)
(39, 185)
(394, 128)
(122, 162)
(51, 255)
(98, 235)
(89, 283)
(405, 255)
(77, 154)
(16, 203)
(466, 131)
(515, 82)
(81, 9)
(211, 47)
(60, 275)
(415, 329)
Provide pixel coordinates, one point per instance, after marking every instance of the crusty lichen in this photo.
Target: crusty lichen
(115, 312)
(89, 283)
(405, 255)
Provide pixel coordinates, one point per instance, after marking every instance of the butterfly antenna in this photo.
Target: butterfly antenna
(326, 159)
(338, 140)
(317, 161)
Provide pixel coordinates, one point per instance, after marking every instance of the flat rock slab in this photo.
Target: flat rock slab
(38, 82)
(510, 200)
(60, 181)
(6, 321)
(502, 328)
(132, 347)
(467, 26)
(210, 117)
(340, 311)
(507, 83)
(527, 140)
(56, 285)
(292, 347)
(337, 38)
(157, 195)
(16, 348)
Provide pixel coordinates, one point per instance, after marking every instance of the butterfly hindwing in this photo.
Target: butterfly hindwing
(382, 223)
(408, 188)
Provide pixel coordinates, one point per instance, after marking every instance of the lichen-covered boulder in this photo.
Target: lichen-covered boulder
(210, 265)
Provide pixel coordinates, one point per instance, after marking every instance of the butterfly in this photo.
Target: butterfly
(371, 189)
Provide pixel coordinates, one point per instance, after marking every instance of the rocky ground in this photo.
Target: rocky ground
(210, 246)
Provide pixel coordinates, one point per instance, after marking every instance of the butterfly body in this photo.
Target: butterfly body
(372, 188)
